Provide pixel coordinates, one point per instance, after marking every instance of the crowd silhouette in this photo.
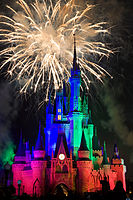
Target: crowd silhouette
(8, 193)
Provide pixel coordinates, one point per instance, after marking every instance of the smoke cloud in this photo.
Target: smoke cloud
(116, 120)
(7, 113)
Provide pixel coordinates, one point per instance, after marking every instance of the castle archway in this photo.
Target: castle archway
(61, 189)
(36, 188)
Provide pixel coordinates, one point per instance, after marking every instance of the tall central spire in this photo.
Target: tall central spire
(75, 57)
(75, 65)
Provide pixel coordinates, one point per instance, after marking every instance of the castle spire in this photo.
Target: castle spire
(75, 64)
(39, 143)
(49, 106)
(61, 145)
(27, 146)
(21, 148)
(116, 152)
(75, 56)
(90, 119)
(83, 146)
(105, 160)
(83, 152)
(95, 141)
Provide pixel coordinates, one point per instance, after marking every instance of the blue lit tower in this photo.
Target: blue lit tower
(75, 114)
(49, 122)
(75, 82)
(59, 104)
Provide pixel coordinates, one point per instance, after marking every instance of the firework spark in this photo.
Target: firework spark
(40, 37)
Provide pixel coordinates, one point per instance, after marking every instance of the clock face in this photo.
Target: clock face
(61, 156)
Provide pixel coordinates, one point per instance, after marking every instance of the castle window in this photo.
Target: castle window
(65, 169)
(58, 169)
(59, 110)
(59, 117)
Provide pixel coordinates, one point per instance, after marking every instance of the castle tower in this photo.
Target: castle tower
(27, 172)
(18, 165)
(118, 166)
(84, 167)
(75, 82)
(97, 152)
(105, 159)
(38, 165)
(96, 146)
(75, 114)
(90, 135)
(49, 123)
(27, 153)
(59, 105)
(106, 166)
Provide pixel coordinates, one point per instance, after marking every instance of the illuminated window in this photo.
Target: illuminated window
(59, 110)
(59, 117)
(58, 168)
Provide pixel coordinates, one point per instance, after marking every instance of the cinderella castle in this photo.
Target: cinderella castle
(71, 155)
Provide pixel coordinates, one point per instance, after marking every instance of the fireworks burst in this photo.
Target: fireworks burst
(40, 43)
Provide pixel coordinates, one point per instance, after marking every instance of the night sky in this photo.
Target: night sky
(111, 103)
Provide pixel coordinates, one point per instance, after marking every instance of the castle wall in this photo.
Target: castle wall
(27, 176)
(39, 171)
(83, 174)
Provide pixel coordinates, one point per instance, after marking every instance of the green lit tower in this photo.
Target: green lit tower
(89, 135)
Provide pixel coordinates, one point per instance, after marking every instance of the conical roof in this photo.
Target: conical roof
(50, 106)
(21, 147)
(116, 152)
(27, 146)
(105, 160)
(61, 139)
(83, 145)
(75, 64)
(39, 143)
(95, 141)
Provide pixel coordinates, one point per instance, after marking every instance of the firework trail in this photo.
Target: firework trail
(39, 38)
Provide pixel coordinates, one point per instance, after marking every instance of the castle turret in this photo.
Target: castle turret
(90, 135)
(97, 152)
(18, 165)
(116, 152)
(105, 160)
(84, 167)
(38, 165)
(21, 149)
(39, 152)
(96, 146)
(118, 166)
(49, 123)
(27, 152)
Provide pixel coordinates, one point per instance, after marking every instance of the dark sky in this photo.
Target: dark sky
(111, 103)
